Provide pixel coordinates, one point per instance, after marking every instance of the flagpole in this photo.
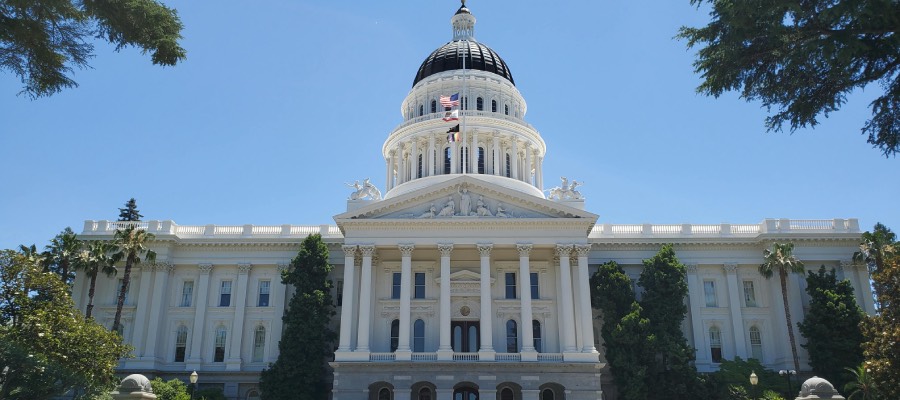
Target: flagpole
(465, 107)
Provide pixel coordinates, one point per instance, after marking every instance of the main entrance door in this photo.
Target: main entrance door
(465, 337)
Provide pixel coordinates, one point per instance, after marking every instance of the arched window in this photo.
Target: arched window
(419, 336)
(512, 337)
(481, 160)
(447, 160)
(508, 166)
(465, 103)
(493, 105)
(715, 344)
(180, 343)
(547, 394)
(395, 334)
(506, 109)
(536, 332)
(424, 394)
(756, 343)
(506, 394)
(419, 167)
(479, 104)
(259, 343)
(219, 353)
(433, 106)
(253, 394)
(421, 110)
(384, 394)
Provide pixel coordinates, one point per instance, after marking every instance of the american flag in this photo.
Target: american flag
(450, 101)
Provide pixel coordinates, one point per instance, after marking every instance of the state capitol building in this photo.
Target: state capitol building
(464, 281)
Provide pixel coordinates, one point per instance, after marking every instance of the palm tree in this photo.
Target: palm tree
(862, 387)
(876, 246)
(780, 258)
(131, 244)
(62, 252)
(98, 257)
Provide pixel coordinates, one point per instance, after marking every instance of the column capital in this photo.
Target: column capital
(524, 249)
(583, 249)
(484, 249)
(163, 266)
(730, 268)
(691, 268)
(445, 248)
(563, 250)
(205, 268)
(367, 250)
(406, 249)
(846, 264)
(349, 249)
(244, 268)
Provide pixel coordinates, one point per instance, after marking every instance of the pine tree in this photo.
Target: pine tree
(299, 372)
(664, 281)
(831, 327)
(130, 212)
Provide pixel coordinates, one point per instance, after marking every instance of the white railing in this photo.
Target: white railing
(381, 357)
(465, 356)
(228, 230)
(160, 228)
(767, 226)
(469, 113)
(550, 357)
(508, 357)
(266, 230)
(424, 356)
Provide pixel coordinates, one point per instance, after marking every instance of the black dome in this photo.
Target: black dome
(449, 57)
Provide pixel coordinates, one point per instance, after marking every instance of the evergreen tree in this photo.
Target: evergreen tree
(831, 327)
(130, 212)
(882, 331)
(665, 288)
(62, 253)
(299, 372)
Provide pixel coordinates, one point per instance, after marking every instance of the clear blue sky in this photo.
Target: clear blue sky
(281, 102)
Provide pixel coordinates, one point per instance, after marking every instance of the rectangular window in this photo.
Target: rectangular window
(749, 294)
(339, 289)
(535, 293)
(395, 285)
(259, 344)
(180, 343)
(187, 293)
(756, 343)
(263, 300)
(709, 291)
(420, 285)
(219, 354)
(510, 285)
(225, 294)
(715, 344)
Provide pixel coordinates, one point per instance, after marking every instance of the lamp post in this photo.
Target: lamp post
(786, 373)
(753, 381)
(194, 377)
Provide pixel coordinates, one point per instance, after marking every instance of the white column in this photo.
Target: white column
(863, 276)
(161, 280)
(694, 293)
(387, 173)
(143, 305)
(196, 358)
(403, 169)
(233, 363)
(528, 352)
(486, 352)
(473, 153)
(413, 159)
(347, 305)
(431, 156)
(734, 304)
(565, 297)
(454, 157)
(279, 300)
(496, 148)
(539, 172)
(445, 351)
(528, 168)
(365, 302)
(584, 299)
(403, 350)
(514, 163)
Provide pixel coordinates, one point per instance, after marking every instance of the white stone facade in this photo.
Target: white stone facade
(465, 281)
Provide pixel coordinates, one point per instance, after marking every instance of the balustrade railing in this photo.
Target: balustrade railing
(424, 356)
(725, 229)
(507, 357)
(381, 357)
(209, 231)
(465, 356)
(550, 357)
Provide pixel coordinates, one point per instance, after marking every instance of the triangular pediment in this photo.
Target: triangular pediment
(464, 198)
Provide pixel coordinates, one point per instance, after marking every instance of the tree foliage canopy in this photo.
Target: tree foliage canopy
(803, 57)
(882, 331)
(47, 345)
(42, 41)
(299, 371)
(831, 327)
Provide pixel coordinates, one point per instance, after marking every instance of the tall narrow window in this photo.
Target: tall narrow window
(715, 344)
(421, 110)
(419, 336)
(433, 106)
(481, 160)
(395, 334)
(464, 158)
(465, 103)
(424, 394)
(506, 394)
(180, 343)
(709, 291)
(536, 333)
(512, 337)
(547, 394)
(756, 344)
(479, 104)
(447, 160)
(508, 166)
(187, 293)
(259, 343)
(749, 294)
(535, 292)
(493, 105)
(395, 285)
(419, 167)
(506, 109)
(225, 294)
(510, 285)
(420, 285)
(263, 299)
(219, 354)
(339, 293)
(384, 394)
